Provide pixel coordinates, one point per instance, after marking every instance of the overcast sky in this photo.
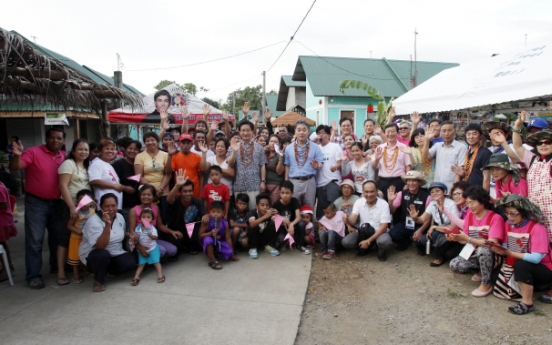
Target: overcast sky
(163, 34)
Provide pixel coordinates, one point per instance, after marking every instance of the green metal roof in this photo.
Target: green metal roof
(94, 75)
(271, 101)
(390, 77)
(289, 82)
(285, 83)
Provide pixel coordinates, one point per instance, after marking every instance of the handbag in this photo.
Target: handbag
(365, 231)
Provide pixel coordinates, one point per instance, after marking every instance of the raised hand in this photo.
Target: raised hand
(392, 114)
(429, 133)
(164, 114)
(181, 177)
(213, 125)
(185, 113)
(206, 110)
(498, 137)
(413, 212)
(458, 170)
(203, 147)
(364, 139)
(245, 108)
(166, 125)
(315, 164)
(391, 194)
(415, 118)
(379, 153)
(255, 117)
(267, 115)
(225, 115)
(235, 144)
(106, 218)
(378, 130)
(17, 148)
(334, 126)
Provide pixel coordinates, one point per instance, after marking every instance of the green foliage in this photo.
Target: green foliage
(382, 108)
(272, 92)
(163, 83)
(251, 94)
(211, 102)
(188, 87)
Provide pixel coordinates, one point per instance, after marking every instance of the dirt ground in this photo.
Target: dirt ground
(360, 300)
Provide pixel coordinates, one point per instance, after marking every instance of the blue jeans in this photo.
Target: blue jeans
(39, 216)
(328, 240)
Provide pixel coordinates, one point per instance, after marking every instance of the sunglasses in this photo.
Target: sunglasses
(544, 142)
(405, 128)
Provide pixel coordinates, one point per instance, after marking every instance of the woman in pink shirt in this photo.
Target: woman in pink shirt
(528, 252)
(506, 176)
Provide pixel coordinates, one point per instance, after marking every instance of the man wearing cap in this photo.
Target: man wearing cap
(446, 154)
(187, 161)
(328, 176)
(403, 201)
(475, 160)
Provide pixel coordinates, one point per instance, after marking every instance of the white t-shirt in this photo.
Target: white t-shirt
(450, 206)
(93, 229)
(227, 181)
(332, 153)
(200, 153)
(361, 173)
(375, 215)
(100, 170)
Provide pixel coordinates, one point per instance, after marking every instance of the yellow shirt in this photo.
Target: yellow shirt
(153, 168)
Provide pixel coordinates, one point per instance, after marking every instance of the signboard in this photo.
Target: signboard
(55, 119)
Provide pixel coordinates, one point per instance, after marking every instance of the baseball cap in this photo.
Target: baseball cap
(219, 132)
(186, 136)
(538, 123)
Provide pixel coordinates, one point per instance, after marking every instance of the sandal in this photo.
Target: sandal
(98, 287)
(62, 281)
(77, 281)
(521, 308)
(135, 282)
(215, 265)
(161, 280)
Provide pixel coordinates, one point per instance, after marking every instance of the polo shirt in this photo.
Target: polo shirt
(41, 165)
(445, 157)
(403, 141)
(93, 229)
(403, 160)
(375, 215)
(306, 170)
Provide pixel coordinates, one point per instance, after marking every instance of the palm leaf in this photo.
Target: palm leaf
(360, 85)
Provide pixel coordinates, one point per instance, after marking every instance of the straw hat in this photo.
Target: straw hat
(414, 175)
(347, 182)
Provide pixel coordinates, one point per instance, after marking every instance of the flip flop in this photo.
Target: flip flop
(161, 280)
(77, 281)
(64, 281)
(135, 282)
(215, 265)
(98, 287)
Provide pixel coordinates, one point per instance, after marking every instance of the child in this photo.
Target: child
(238, 220)
(75, 227)
(216, 190)
(306, 223)
(7, 229)
(261, 230)
(288, 207)
(214, 236)
(331, 231)
(147, 234)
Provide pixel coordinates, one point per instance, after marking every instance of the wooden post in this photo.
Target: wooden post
(105, 123)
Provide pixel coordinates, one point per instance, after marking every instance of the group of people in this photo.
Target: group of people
(111, 207)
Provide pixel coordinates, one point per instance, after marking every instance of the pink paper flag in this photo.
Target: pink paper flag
(290, 238)
(146, 223)
(278, 221)
(84, 201)
(135, 178)
(190, 229)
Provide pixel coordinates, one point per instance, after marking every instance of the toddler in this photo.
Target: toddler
(75, 227)
(147, 234)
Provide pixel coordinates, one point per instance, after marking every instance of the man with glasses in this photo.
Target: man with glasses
(346, 128)
(328, 176)
(405, 128)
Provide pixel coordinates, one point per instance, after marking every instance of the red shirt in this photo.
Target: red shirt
(41, 171)
(215, 193)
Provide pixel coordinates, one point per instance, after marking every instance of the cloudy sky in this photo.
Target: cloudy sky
(154, 36)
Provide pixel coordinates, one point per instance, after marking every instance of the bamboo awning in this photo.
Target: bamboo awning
(289, 119)
(26, 75)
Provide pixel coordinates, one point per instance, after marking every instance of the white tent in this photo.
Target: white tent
(179, 98)
(523, 75)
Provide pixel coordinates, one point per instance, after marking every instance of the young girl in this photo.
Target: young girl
(348, 141)
(147, 234)
(75, 227)
(360, 169)
(306, 221)
(7, 228)
(214, 236)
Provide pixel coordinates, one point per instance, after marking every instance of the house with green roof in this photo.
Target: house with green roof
(325, 102)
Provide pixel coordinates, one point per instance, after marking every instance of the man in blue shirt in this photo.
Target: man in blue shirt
(302, 159)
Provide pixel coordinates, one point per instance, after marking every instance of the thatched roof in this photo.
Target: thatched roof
(28, 76)
(289, 119)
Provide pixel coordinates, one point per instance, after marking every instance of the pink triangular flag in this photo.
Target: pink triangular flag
(135, 178)
(146, 223)
(290, 238)
(84, 201)
(278, 221)
(190, 229)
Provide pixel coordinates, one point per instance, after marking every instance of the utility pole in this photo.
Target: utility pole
(234, 107)
(414, 76)
(263, 106)
(34, 38)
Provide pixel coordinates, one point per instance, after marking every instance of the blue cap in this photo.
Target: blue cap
(538, 123)
(438, 185)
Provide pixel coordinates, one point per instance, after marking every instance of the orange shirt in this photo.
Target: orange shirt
(189, 163)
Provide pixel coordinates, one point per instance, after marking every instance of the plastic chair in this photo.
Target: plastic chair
(6, 264)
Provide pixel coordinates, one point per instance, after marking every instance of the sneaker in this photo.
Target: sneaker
(329, 255)
(253, 254)
(304, 250)
(320, 254)
(36, 284)
(546, 299)
(381, 255)
(272, 251)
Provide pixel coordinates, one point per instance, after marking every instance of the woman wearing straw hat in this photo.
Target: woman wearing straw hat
(527, 256)
(506, 176)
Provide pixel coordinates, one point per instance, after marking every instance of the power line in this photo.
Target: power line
(239, 82)
(346, 70)
(293, 36)
(204, 62)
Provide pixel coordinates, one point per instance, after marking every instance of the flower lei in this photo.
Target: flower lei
(389, 167)
(301, 157)
(468, 163)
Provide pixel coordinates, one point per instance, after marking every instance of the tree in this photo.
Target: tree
(273, 92)
(164, 83)
(383, 107)
(188, 87)
(251, 94)
(211, 102)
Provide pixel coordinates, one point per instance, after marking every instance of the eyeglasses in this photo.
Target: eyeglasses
(544, 142)
(511, 214)
(401, 128)
(457, 193)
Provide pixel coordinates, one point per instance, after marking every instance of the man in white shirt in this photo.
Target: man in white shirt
(328, 177)
(374, 211)
(447, 154)
(199, 137)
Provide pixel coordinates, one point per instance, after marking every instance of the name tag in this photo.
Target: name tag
(418, 202)
(406, 197)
